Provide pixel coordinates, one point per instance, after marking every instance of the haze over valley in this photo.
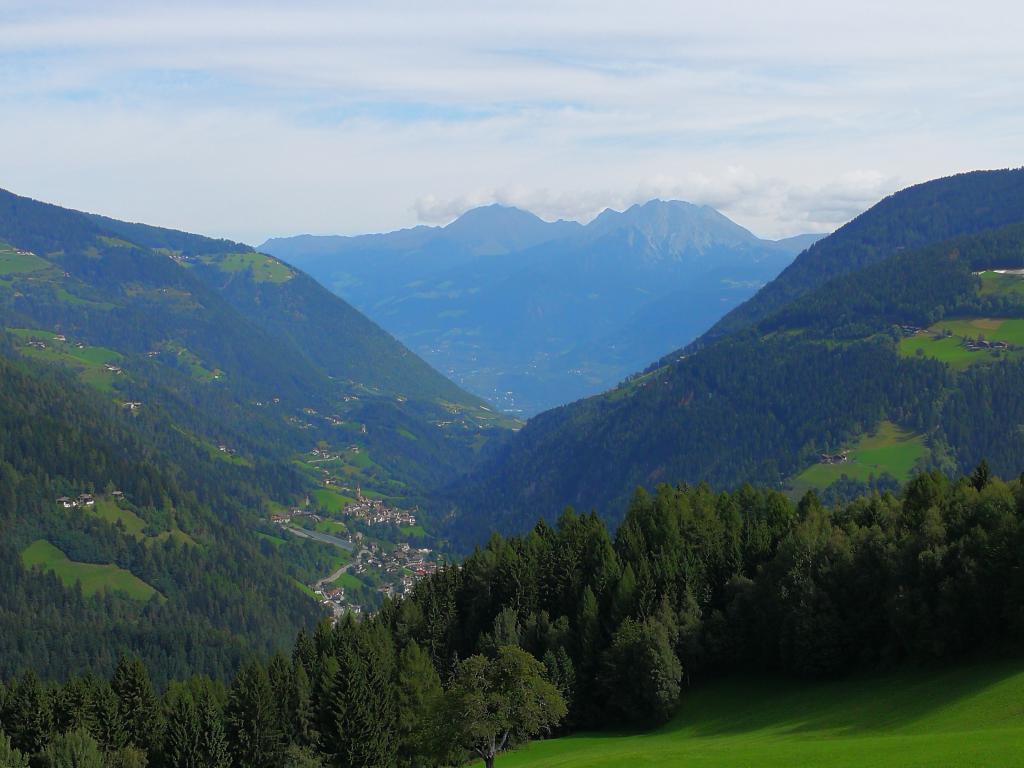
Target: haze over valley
(511, 443)
(530, 314)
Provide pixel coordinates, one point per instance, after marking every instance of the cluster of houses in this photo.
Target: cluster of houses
(131, 405)
(286, 517)
(334, 599)
(979, 345)
(114, 369)
(84, 500)
(835, 458)
(376, 512)
(414, 560)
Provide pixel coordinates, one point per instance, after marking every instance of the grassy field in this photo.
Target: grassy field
(890, 449)
(949, 349)
(264, 269)
(304, 589)
(333, 527)
(969, 715)
(89, 361)
(133, 525)
(276, 541)
(93, 577)
(14, 263)
(348, 581)
(330, 500)
(109, 511)
(993, 283)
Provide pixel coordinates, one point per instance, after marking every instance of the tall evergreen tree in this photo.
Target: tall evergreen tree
(362, 701)
(254, 733)
(138, 707)
(184, 731)
(108, 727)
(419, 695)
(213, 743)
(27, 720)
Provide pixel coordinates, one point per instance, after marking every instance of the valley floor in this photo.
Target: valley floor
(969, 715)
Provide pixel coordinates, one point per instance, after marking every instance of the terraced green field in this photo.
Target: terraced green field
(93, 577)
(890, 449)
(970, 715)
(333, 527)
(264, 269)
(330, 500)
(109, 511)
(14, 263)
(949, 349)
(994, 283)
(89, 361)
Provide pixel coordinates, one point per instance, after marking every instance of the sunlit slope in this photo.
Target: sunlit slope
(967, 716)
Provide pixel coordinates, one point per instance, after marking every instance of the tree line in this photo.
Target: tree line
(570, 627)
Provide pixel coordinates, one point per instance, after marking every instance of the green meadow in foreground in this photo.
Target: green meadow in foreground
(969, 715)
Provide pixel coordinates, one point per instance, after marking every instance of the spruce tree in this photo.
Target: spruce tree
(418, 696)
(303, 724)
(28, 715)
(137, 704)
(362, 701)
(108, 727)
(254, 734)
(184, 731)
(213, 743)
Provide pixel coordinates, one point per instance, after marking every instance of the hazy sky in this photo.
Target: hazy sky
(247, 120)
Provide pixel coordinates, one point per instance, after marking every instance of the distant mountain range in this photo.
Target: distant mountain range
(894, 345)
(532, 314)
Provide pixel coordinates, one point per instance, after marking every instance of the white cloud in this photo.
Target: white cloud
(249, 119)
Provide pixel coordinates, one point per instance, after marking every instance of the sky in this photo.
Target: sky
(247, 120)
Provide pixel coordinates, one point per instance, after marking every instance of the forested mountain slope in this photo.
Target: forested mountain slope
(909, 362)
(162, 396)
(167, 564)
(917, 216)
(236, 345)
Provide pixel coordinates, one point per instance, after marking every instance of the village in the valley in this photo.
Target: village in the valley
(375, 568)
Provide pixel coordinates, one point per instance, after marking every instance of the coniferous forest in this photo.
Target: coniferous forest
(570, 627)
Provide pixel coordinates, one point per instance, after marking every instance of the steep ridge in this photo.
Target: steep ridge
(918, 216)
(895, 342)
(162, 395)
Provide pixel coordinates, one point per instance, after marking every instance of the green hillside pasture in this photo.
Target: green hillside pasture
(994, 283)
(950, 350)
(14, 263)
(993, 329)
(330, 500)
(133, 525)
(890, 449)
(333, 527)
(109, 510)
(89, 362)
(304, 589)
(965, 716)
(264, 269)
(94, 578)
